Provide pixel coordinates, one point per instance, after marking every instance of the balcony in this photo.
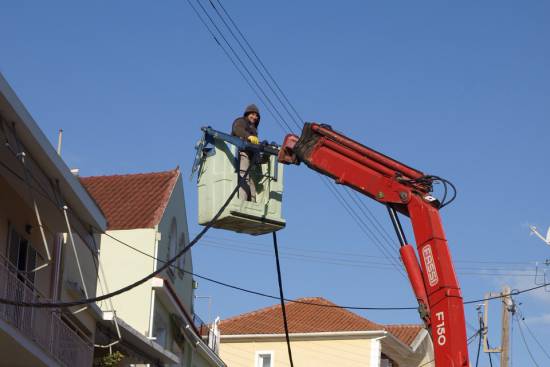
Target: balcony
(210, 336)
(40, 327)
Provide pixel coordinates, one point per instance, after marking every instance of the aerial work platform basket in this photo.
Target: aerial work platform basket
(217, 165)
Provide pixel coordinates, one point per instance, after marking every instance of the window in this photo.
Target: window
(264, 359)
(160, 330)
(22, 256)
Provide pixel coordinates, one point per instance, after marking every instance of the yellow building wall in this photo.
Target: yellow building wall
(318, 353)
(123, 266)
(175, 213)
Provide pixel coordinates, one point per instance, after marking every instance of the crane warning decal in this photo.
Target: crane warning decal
(430, 265)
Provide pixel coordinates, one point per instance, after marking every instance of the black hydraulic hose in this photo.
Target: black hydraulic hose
(282, 297)
(165, 266)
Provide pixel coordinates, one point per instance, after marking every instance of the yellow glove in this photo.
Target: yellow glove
(253, 139)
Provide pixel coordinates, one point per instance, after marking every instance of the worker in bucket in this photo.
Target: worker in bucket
(246, 128)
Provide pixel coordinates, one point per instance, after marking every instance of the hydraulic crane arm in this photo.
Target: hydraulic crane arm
(405, 190)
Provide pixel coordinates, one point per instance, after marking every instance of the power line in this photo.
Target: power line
(135, 284)
(262, 64)
(243, 65)
(69, 304)
(262, 294)
(251, 59)
(534, 337)
(289, 248)
(342, 200)
(515, 292)
(525, 342)
(346, 261)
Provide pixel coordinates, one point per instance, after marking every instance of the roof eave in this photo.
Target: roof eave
(360, 334)
(45, 155)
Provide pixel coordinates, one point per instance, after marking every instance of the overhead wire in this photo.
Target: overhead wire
(522, 319)
(234, 63)
(262, 64)
(525, 342)
(136, 283)
(299, 120)
(514, 292)
(250, 58)
(357, 262)
(289, 248)
(243, 65)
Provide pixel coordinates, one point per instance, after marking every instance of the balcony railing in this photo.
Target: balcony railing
(43, 326)
(210, 335)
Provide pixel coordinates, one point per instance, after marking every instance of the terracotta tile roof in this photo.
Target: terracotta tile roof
(132, 201)
(404, 332)
(304, 318)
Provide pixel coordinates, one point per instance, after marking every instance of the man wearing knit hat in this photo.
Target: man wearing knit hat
(246, 128)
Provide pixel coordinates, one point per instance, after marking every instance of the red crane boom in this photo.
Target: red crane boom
(406, 190)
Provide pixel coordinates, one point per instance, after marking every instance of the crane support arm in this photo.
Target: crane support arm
(405, 190)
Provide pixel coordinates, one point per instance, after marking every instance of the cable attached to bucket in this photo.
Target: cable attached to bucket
(282, 297)
(165, 266)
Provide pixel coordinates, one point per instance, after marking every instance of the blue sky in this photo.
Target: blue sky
(460, 90)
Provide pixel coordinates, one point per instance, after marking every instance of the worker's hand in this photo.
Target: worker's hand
(253, 139)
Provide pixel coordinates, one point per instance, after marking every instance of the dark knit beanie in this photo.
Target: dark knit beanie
(251, 108)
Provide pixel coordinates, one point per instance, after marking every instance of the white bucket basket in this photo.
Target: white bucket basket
(218, 177)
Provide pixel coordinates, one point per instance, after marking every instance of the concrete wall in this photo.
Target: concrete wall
(123, 266)
(319, 353)
(16, 214)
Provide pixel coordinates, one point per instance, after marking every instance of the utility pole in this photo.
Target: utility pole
(508, 307)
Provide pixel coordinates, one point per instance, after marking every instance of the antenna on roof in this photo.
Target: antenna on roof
(536, 233)
(59, 141)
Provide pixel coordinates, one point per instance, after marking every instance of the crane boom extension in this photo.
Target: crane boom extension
(406, 190)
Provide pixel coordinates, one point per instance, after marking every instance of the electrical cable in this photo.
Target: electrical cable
(525, 342)
(282, 297)
(479, 343)
(341, 199)
(514, 292)
(237, 67)
(427, 363)
(489, 353)
(250, 59)
(364, 228)
(238, 288)
(297, 301)
(138, 282)
(357, 263)
(533, 336)
(246, 69)
(262, 64)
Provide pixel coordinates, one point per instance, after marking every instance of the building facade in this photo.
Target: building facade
(147, 225)
(48, 247)
(321, 334)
